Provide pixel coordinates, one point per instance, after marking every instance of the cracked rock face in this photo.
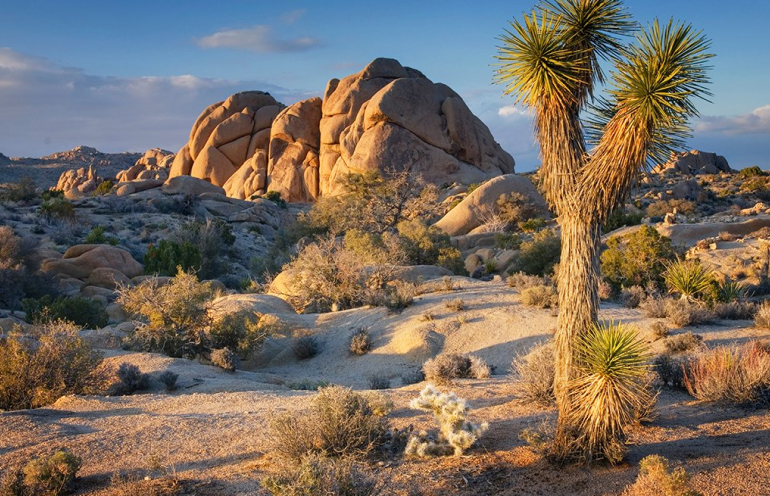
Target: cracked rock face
(385, 118)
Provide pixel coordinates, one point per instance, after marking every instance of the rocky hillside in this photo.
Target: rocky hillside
(47, 170)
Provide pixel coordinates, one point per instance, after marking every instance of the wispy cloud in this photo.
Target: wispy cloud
(47, 107)
(292, 16)
(260, 39)
(755, 122)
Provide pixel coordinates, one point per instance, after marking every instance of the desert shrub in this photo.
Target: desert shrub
(636, 259)
(372, 203)
(178, 204)
(670, 370)
(689, 279)
(57, 209)
(757, 184)
(532, 225)
(538, 256)
(23, 191)
(175, 315)
(632, 297)
(729, 291)
(97, 237)
(304, 347)
(242, 332)
(442, 368)
(610, 389)
(167, 256)
(51, 193)
(38, 368)
(79, 310)
(377, 381)
(540, 296)
(340, 423)
(104, 188)
(621, 218)
(520, 281)
(762, 317)
(605, 290)
(654, 307)
(47, 475)
(212, 239)
(226, 359)
(731, 375)
(129, 380)
(17, 282)
(507, 241)
(398, 295)
(657, 479)
(168, 379)
(659, 330)
(428, 245)
(683, 313)
(317, 475)
(456, 305)
(515, 208)
(360, 342)
(735, 310)
(679, 343)
(307, 385)
(455, 434)
(535, 372)
(661, 207)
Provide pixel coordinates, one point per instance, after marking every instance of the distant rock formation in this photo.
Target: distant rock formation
(695, 162)
(4, 160)
(78, 182)
(154, 164)
(385, 118)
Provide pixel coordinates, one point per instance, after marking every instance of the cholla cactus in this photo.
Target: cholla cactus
(456, 433)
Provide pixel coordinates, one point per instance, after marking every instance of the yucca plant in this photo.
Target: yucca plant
(549, 60)
(610, 391)
(689, 279)
(729, 291)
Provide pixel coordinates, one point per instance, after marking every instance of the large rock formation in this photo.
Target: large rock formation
(385, 118)
(695, 162)
(154, 164)
(226, 135)
(76, 183)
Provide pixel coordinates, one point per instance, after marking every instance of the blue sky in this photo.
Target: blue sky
(134, 75)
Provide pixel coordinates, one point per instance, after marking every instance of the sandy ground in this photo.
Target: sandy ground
(212, 432)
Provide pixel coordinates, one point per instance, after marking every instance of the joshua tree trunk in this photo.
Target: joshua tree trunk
(578, 307)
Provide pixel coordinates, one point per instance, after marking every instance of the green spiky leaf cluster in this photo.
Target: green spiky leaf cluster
(689, 279)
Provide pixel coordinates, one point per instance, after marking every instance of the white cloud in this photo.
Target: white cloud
(259, 39)
(512, 111)
(47, 107)
(755, 122)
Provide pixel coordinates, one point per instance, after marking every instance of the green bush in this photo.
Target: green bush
(79, 310)
(515, 208)
(51, 194)
(622, 218)
(23, 191)
(57, 209)
(104, 188)
(39, 367)
(752, 171)
(43, 476)
(533, 225)
(507, 241)
(165, 257)
(689, 279)
(212, 239)
(637, 259)
(97, 237)
(275, 197)
(537, 257)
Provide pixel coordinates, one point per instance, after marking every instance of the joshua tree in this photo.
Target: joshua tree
(549, 61)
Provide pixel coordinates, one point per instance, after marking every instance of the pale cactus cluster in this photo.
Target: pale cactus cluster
(456, 432)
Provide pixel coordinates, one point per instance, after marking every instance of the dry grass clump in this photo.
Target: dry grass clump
(316, 475)
(735, 310)
(456, 305)
(605, 290)
(540, 296)
(360, 342)
(762, 317)
(679, 343)
(304, 347)
(456, 433)
(683, 313)
(535, 372)
(521, 281)
(168, 379)
(659, 330)
(654, 307)
(633, 296)
(731, 375)
(38, 368)
(670, 369)
(398, 295)
(442, 368)
(45, 476)
(226, 359)
(657, 479)
(129, 380)
(340, 423)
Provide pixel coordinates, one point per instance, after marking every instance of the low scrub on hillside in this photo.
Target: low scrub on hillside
(538, 256)
(637, 259)
(79, 310)
(443, 368)
(46, 475)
